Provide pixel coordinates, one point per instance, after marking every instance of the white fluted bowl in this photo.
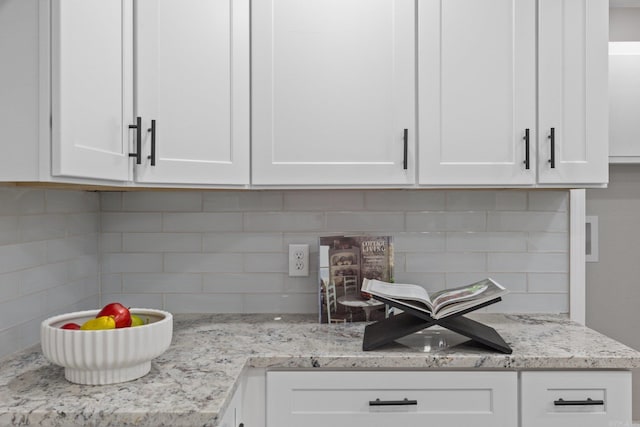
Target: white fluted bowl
(106, 356)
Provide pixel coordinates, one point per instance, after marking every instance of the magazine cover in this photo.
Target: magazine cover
(344, 262)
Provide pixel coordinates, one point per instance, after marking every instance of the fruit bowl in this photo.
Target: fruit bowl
(106, 356)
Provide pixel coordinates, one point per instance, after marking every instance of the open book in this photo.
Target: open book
(440, 304)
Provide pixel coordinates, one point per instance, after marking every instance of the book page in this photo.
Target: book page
(397, 291)
(475, 294)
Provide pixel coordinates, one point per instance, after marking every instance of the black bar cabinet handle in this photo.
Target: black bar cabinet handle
(406, 148)
(527, 160)
(587, 402)
(138, 128)
(404, 402)
(152, 156)
(552, 139)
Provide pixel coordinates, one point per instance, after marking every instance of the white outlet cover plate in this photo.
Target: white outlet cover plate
(298, 260)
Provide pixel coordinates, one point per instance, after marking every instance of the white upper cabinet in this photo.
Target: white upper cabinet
(192, 79)
(333, 92)
(624, 102)
(477, 92)
(477, 99)
(572, 91)
(91, 88)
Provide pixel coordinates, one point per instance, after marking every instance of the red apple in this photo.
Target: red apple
(70, 326)
(119, 312)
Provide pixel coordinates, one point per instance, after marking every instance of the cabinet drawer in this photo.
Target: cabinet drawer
(454, 399)
(560, 398)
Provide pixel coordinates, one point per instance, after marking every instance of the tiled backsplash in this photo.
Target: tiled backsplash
(226, 251)
(48, 259)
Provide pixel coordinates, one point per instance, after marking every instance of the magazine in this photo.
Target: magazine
(344, 262)
(439, 304)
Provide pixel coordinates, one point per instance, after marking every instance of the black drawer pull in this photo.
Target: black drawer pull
(552, 140)
(527, 159)
(588, 402)
(152, 156)
(405, 139)
(138, 128)
(404, 402)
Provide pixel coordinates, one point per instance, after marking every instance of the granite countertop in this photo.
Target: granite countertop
(192, 382)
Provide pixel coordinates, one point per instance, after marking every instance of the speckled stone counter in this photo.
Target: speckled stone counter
(192, 382)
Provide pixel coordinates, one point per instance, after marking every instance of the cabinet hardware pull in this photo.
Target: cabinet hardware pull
(406, 148)
(152, 156)
(527, 161)
(588, 402)
(403, 402)
(138, 128)
(552, 139)
(241, 425)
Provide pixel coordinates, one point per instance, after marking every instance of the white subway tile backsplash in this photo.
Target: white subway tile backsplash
(548, 242)
(446, 262)
(22, 255)
(528, 262)
(446, 221)
(242, 201)
(204, 303)
(165, 201)
(138, 283)
(203, 263)
(345, 200)
(528, 221)
(132, 263)
(201, 222)
(548, 282)
(419, 242)
(242, 283)
(243, 242)
(403, 200)
(281, 303)
(15, 201)
(226, 251)
(111, 283)
(67, 201)
(366, 221)
(486, 242)
(472, 200)
(9, 231)
(111, 201)
(19, 310)
(113, 222)
(511, 200)
(44, 276)
(161, 242)
(283, 221)
(110, 242)
(267, 263)
(42, 227)
(546, 200)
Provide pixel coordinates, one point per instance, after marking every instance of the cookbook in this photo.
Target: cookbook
(438, 304)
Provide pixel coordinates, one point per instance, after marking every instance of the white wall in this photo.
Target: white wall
(227, 251)
(48, 260)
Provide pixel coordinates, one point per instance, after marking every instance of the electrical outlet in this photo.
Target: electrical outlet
(298, 260)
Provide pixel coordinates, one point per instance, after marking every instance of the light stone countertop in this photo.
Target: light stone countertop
(192, 382)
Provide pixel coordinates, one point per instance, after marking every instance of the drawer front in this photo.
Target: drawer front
(316, 398)
(583, 398)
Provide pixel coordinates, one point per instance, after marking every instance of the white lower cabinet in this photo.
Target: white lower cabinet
(383, 398)
(581, 398)
(233, 414)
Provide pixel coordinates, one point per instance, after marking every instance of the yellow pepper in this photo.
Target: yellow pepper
(102, 322)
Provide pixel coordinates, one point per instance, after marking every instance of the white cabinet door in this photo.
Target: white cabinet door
(477, 92)
(376, 398)
(333, 90)
(573, 43)
(624, 102)
(575, 399)
(192, 78)
(91, 81)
